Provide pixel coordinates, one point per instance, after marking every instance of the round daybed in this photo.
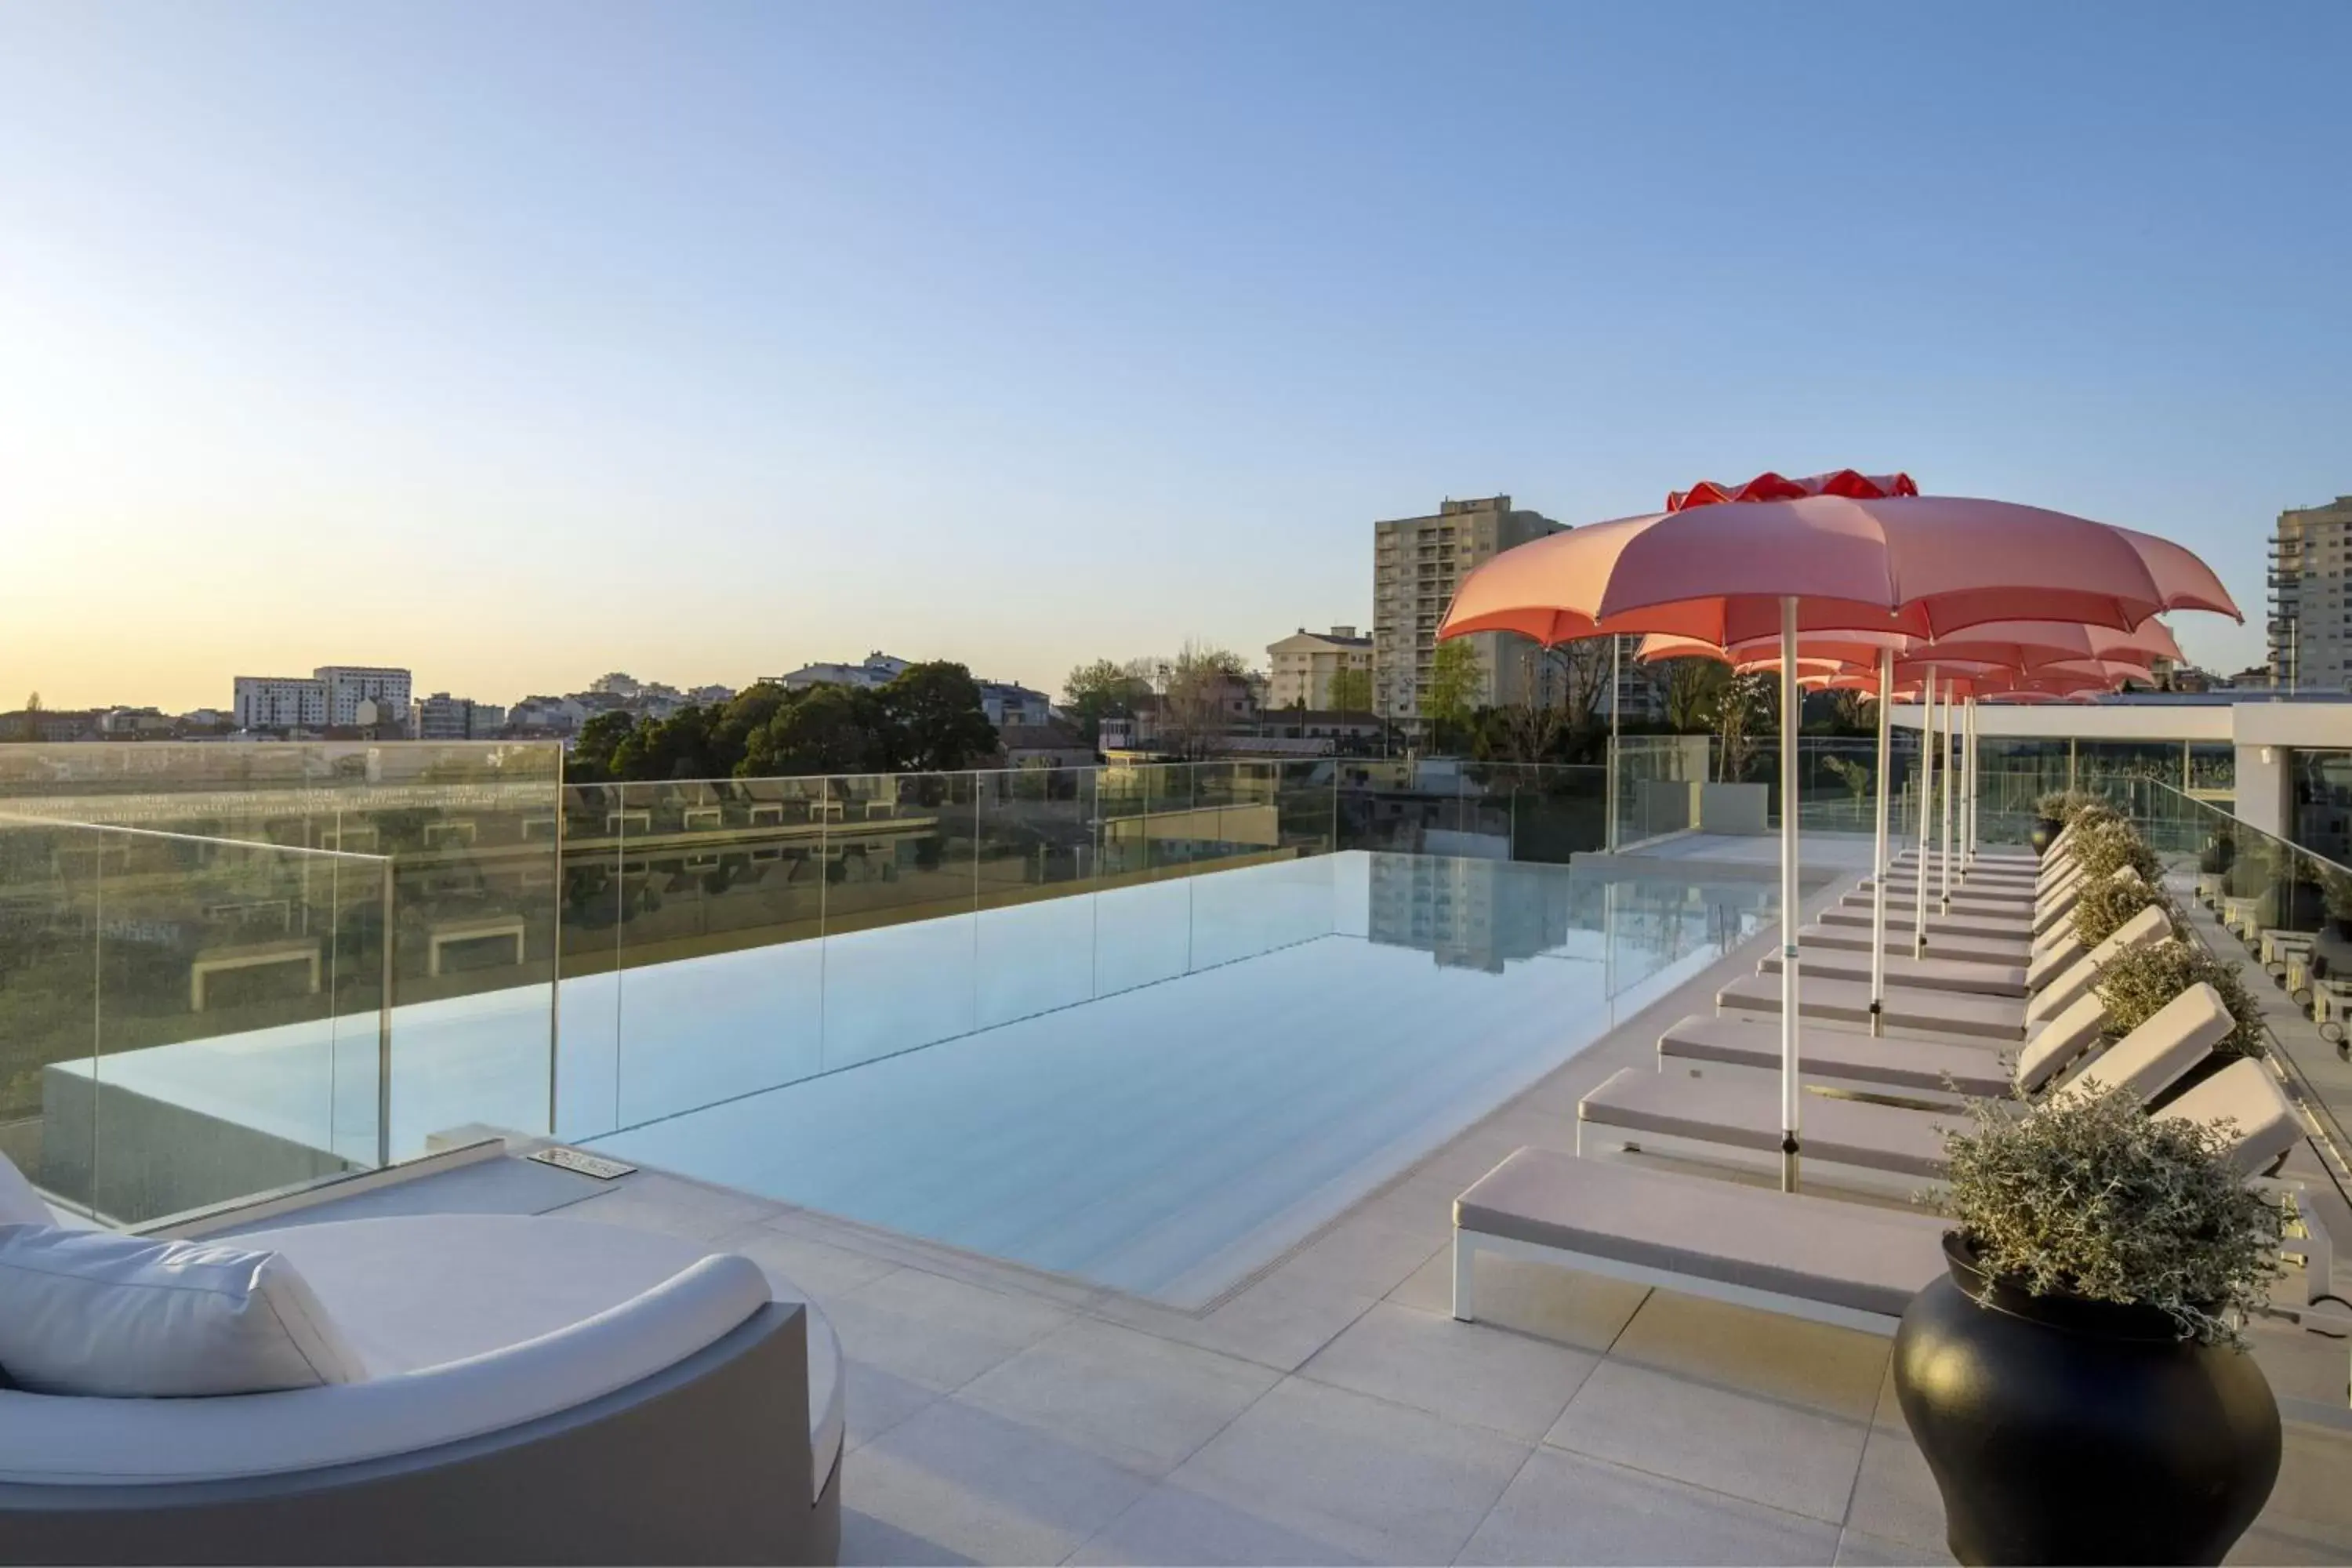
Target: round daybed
(542, 1390)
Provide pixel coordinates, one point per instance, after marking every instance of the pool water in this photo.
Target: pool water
(1334, 1020)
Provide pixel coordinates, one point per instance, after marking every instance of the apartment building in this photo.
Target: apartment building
(1417, 562)
(1300, 666)
(2311, 598)
(333, 694)
(442, 717)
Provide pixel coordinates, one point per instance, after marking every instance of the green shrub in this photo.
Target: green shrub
(2105, 905)
(2134, 985)
(2089, 1195)
(2103, 845)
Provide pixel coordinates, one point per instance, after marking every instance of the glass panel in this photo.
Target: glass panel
(903, 855)
(191, 1021)
(1034, 845)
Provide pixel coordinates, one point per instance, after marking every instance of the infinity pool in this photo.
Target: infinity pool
(1168, 1138)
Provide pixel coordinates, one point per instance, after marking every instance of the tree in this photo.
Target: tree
(1527, 731)
(599, 739)
(1352, 690)
(1693, 686)
(1746, 707)
(1201, 684)
(1854, 710)
(825, 730)
(934, 717)
(1102, 690)
(1448, 699)
(32, 702)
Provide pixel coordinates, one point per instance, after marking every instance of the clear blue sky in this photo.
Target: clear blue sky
(519, 342)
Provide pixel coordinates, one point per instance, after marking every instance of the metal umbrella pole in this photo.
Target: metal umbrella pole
(1927, 807)
(1880, 860)
(1944, 862)
(1791, 1088)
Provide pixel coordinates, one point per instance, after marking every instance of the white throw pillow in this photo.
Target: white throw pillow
(85, 1311)
(20, 1204)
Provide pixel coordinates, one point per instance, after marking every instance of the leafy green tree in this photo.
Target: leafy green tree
(1202, 683)
(1449, 698)
(937, 723)
(592, 749)
(826, 730)
(1093, 692)
(1352, 690)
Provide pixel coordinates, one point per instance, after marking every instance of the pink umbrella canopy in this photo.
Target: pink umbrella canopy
(2014, 644)
(1929, 566)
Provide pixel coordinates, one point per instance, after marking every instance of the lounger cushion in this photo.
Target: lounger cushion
(2052, 1045)
(2243, 1093)
(1929, 1067)
(1856, 911)
(1995, 1018)
(96, 1312)
(1933, 972)
(1745, 1113)
(1818, 1249)
(2149, 926)
(2171, 1040)
(2013, 953)
(2051, 959)
(20, 1204)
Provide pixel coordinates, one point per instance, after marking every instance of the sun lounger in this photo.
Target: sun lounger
(2015, 951)
(1744, 1113)
(1912, 1008)
(2245, 1093)
(1898, 922)
(1935, 973)
(1912, 1068)
(1783, 1252)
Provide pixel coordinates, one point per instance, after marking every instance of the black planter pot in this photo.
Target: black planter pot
(2044, 830)
(2061, 1430)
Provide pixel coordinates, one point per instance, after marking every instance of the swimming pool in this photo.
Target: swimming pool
(1334, 1020)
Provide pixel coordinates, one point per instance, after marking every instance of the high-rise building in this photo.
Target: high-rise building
(1417, 562)
(1300, 666)
(349, 685)
(2311, 598)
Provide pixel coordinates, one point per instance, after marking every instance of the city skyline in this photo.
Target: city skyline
(1028, 336)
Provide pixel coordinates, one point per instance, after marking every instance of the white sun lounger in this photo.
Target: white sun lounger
(1783, 1252)
(1886, 1064)
(2013, 950)
(1912, 1009)
(1744, 1113)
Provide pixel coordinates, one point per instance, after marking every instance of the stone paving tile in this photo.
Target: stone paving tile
(1836, 1371)
(978, 1487)
(1140, 1400)
(1277, 1322)
(1727, 1440)
(1363, 1257)
(1587, 1311)
(1863, 1549)
(869, 1542)
(2312, 1503)
(1894, 1496)
(1467, 1373)
(822, 1271)
(1372, 1480)
(1174, 1524)
(873, 1401)
(1566, 1508)
(937, 1333)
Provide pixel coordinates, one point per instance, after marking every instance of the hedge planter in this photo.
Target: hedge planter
(2066, 1430)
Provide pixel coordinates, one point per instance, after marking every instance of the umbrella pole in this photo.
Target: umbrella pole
(1790, 700)
(1944, 862)
(1879, 867)
(1968, 796)
(1926, 810)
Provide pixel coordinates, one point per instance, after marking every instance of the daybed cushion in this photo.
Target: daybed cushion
(596, 1308)
(94, 1312)
(20, 1204)
(1818, 1249)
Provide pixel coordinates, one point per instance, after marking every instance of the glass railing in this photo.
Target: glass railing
(1665, 784)
(1500, 811)
(187, 1021)
(2289, 912)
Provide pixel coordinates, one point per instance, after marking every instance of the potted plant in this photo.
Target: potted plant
(2078, 1382)
(2049, 819)
(2219, 852)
